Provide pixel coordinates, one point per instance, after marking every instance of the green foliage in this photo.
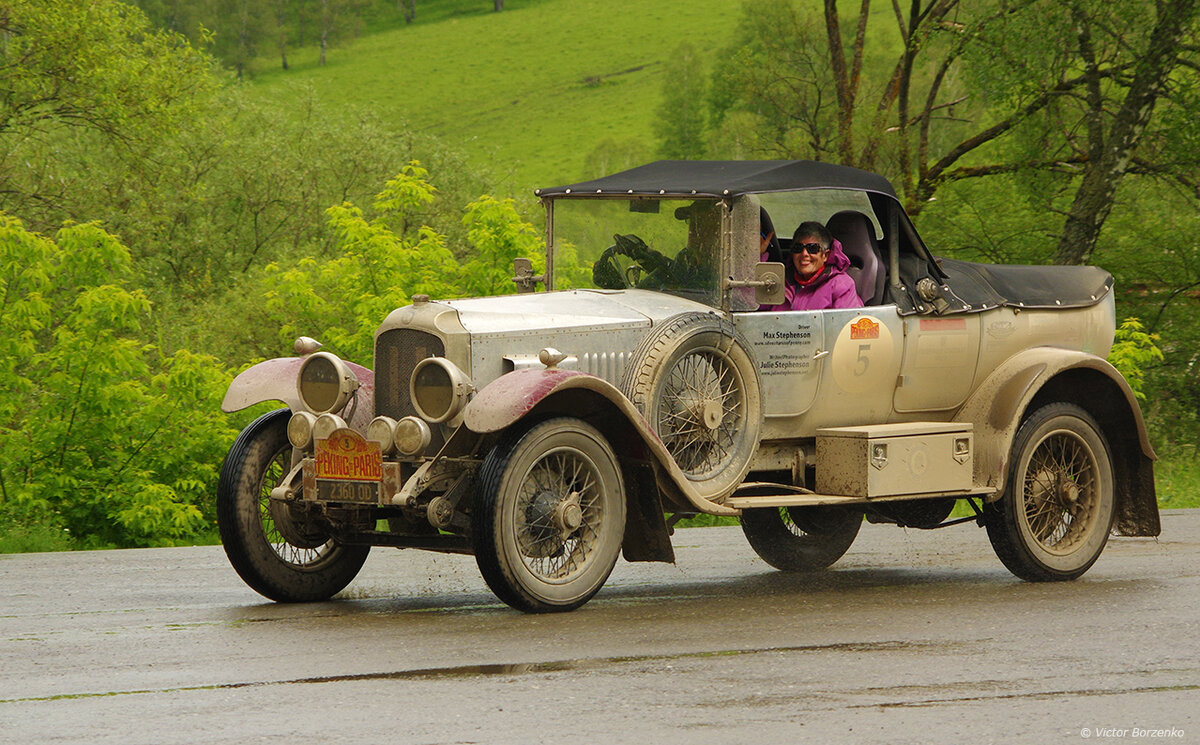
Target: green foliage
(681, 116)
(382, 260)
(86, 80)
(1177, 477)
(499, 235)
(1132, 351)
(101, 434)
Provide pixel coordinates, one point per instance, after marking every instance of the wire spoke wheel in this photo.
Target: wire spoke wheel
(275, 520)
(701, 411)
(558, 511)
(282, 557)
(1055, 516)
(549, 516)
(696, 384)
(1061, 490)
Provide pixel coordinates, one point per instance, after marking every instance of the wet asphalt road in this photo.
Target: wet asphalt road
(915, 637)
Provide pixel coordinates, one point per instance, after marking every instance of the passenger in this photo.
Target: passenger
(816, 273)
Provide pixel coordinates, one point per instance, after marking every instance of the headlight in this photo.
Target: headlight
(325, 383)
(300, 429)
(412, 435)
(382, 430)
(326, 424)
(439, 389)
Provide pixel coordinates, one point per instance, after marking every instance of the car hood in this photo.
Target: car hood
(572, 309)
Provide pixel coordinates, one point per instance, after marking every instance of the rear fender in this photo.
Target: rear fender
(275, 380)
(1043, 375)
(512, 397)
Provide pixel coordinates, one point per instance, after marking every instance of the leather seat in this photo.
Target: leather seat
(857, 236)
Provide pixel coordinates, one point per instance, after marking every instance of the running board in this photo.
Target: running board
(781, 495)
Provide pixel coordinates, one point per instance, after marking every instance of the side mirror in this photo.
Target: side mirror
(524, 277)
(767, 283)
(772, 290)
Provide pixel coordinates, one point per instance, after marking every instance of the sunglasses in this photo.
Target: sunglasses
(812, 248)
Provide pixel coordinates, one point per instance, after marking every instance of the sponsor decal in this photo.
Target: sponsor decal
(348, 455)
(864, 328)
(943, 324)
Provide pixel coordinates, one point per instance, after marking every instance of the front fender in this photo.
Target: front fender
(509, 398)
(1043, 375)
(275, 380)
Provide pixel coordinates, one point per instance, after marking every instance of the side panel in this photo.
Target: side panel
(784, 345)
(940, 358)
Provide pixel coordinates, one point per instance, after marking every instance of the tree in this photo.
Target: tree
(240, 28)
(335, 19)
(967, 86)
(95, 65)
(681, 115)
(89, 78)
(101, 433)
(1112, 139)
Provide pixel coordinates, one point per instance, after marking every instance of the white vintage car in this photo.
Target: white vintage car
(547, 432)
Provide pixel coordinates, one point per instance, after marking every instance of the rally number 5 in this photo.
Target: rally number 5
(863, 361)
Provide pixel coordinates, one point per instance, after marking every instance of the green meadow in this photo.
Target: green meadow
(527, 93)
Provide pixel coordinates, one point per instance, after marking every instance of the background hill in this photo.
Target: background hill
(527, 93)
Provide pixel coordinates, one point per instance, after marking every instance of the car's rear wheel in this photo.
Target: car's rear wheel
(801, 539)
(696, 384)
(549, 516)
(1057, 510)
(278, 555)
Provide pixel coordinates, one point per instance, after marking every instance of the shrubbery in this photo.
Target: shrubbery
(108, 440)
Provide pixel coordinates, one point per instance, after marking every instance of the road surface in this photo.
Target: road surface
(914, 637)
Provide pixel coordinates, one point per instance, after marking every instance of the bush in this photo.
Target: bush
(102, 435)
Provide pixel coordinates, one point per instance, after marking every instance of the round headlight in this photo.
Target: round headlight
(326, 424)
(439, 389)
(381, 430)
(325, 383)
(412, 435)
(300, 429)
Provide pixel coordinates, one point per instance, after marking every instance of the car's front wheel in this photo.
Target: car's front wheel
(549, 516)
(1054, 518)
(278, 555)
(801, 539)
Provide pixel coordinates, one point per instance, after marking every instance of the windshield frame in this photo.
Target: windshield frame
(724, 237)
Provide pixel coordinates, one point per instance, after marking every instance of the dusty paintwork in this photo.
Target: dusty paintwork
(646, 380)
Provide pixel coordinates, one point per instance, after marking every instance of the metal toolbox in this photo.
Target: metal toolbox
(887, 460)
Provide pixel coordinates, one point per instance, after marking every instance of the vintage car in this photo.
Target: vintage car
(547, 432)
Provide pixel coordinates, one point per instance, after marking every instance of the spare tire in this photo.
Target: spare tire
(695, 382)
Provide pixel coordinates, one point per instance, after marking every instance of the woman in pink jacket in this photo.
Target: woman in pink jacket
(817, 276)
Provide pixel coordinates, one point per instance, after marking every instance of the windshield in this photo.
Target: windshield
(654, 244)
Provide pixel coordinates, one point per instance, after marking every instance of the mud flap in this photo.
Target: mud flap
(646, 537)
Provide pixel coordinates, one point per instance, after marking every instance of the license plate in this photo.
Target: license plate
(348, 491)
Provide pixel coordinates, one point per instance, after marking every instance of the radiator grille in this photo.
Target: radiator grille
(397, 352)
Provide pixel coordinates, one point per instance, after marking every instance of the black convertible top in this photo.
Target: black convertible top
(725, 178)
(984, 286)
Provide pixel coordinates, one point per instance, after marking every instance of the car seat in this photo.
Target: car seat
(857, 236)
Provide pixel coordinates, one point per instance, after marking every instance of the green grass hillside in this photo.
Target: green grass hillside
(526, 93)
